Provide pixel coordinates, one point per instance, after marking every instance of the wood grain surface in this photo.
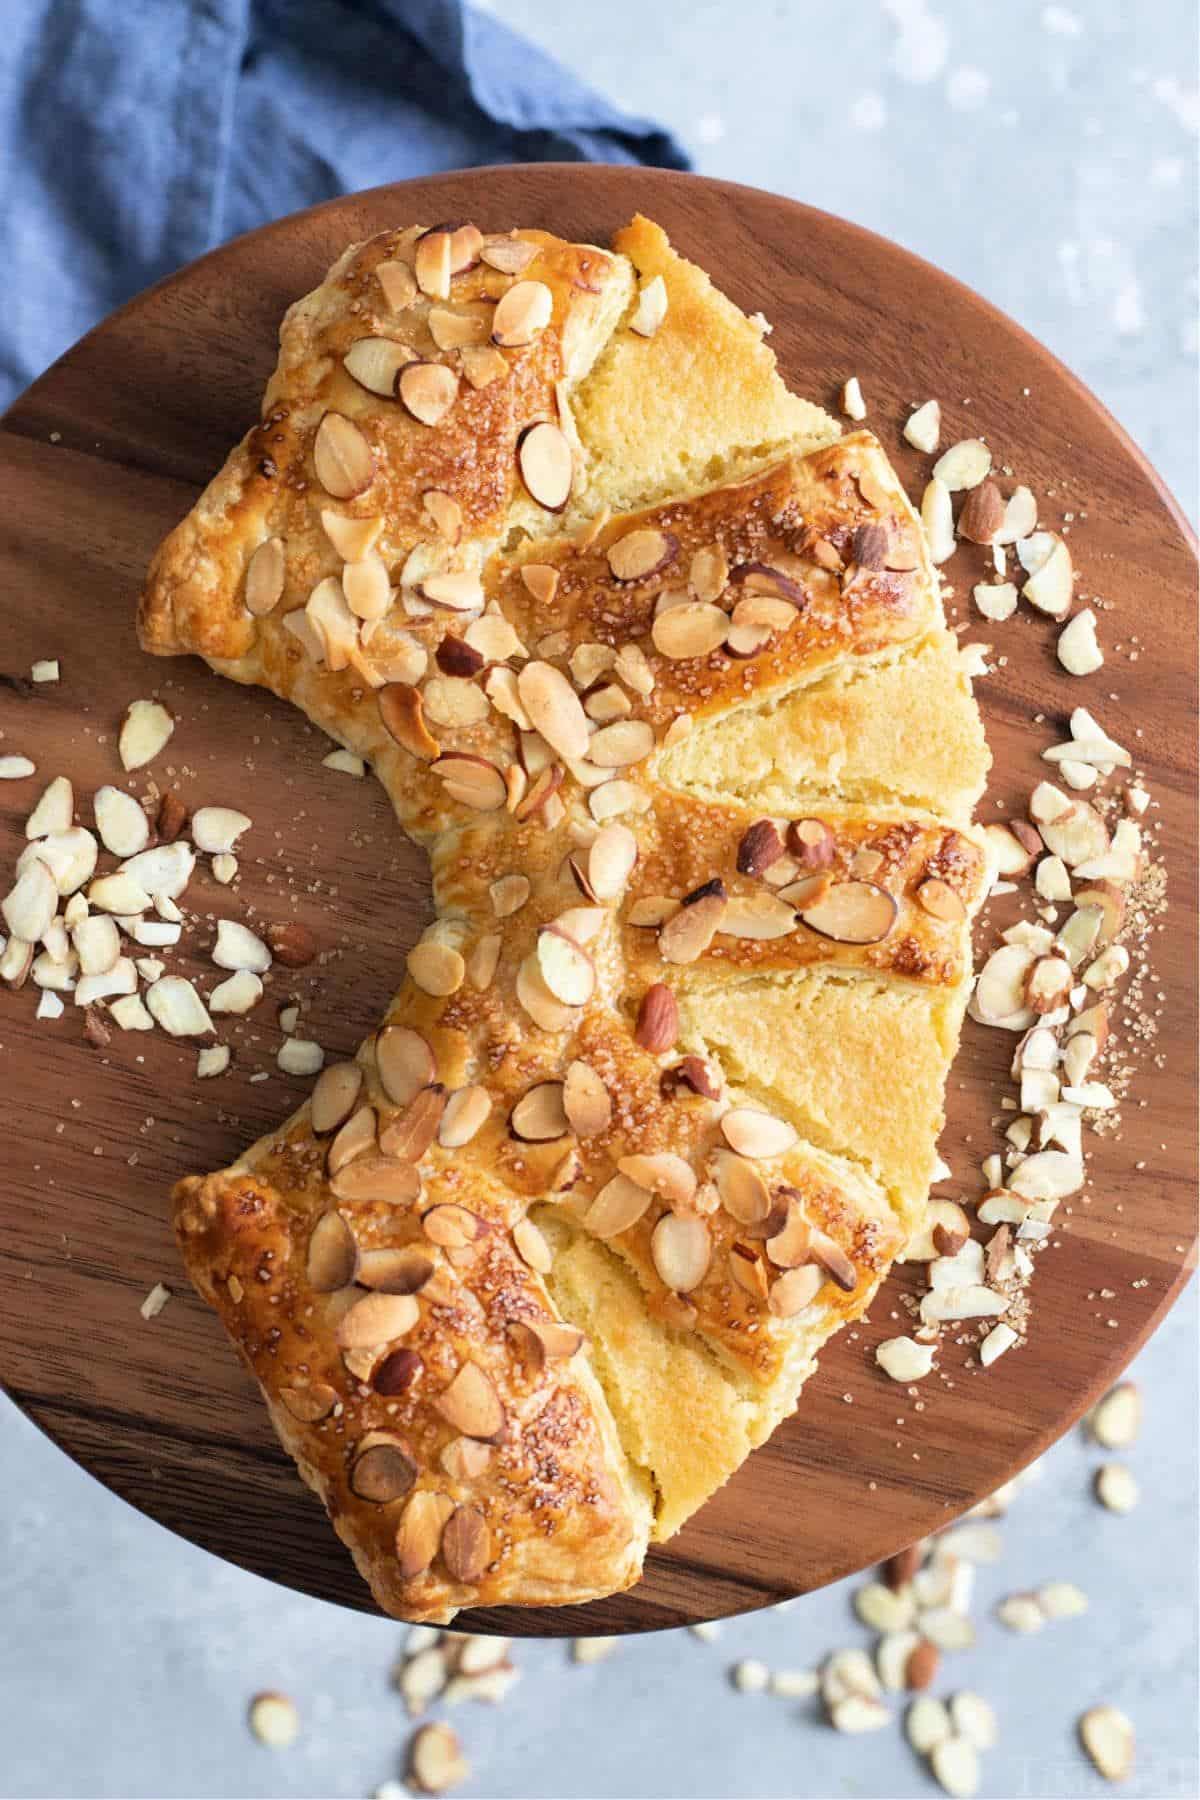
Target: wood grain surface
(98, 460)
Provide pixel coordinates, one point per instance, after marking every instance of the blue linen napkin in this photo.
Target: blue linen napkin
(135, 134)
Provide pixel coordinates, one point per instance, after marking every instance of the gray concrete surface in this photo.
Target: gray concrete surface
(1046, 155)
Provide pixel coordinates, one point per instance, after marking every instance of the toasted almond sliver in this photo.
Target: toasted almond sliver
(619, 1205)
(471, 1403)
(642, 552)
(852, 912)
(511, 255)
(539, 1115)
(265, 574)
(436, 968)
(611, 861)
(681, 1248)
(342, 457)
(177, 1007)
(375, 362)
(522, 314)
(354, 1138)
(687, 934)
(427, 390)
(454, 330)
(464, 1117)
(586, 1102)
(695, 629)
(332, 1257)
(555, 710)
(755, 1134)
(566, 968)
(472, 781)
(373, 1177)
(617, 746)
(377, 1319)
(547, 465)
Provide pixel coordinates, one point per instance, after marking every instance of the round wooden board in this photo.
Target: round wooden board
(99, 459)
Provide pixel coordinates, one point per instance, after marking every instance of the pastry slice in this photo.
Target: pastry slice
(641, 655)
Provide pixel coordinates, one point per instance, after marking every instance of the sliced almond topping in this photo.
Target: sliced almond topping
(539, 1002)
(411, 1133)
(332, 1254)
(756, 1134)
(454, 330)
(405, 1269)
(681, 1249)
(640, 553)
(628, 740)
(657, 1027)
(265, 573)
(398, 282)
(542, 581)
(619, 1205)
(335, 626)
(417, 1539)
(539, 1115)
(689, 932)
(586, 1103)
(343, 459)
(405, 1063)
(522, 314)
(611, 861)
(373, 1177)
(663, 1172)
(940, 901)
(482, 364)
(789, 1247)
(466, 1114)
(546, 1340)
(758, 917)
(651, 308)
(382, 1470)
(748, 1270)
(694, 629)
(834, 1261)
(334, 1096)
(471, 1403)
(547, 465)
(431, 263)
(744, 1194)
(795, 1290)
(708, 572)
(377, 1319)
(367, 588)
(472, 781)
(852, 912)
(566, 968)
(452, 1227)
(483, 960)
(466, 1544)
(427, 390)
(532, 1246)
(309, 1402)
(436, 968)
(554, 709)
(145, 730)
(375, 362)
(511, 255)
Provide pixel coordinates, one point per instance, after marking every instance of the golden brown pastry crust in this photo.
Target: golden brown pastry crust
(523, 703)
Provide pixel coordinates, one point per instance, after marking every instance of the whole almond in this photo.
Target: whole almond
(658, 1019)
(292, 944)
(982, 514)
(899, 1570)
(761, 846)
(922, 1665)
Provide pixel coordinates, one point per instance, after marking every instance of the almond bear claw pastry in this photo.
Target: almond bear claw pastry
(653, 663)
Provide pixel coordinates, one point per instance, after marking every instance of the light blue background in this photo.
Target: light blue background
(1046, 155)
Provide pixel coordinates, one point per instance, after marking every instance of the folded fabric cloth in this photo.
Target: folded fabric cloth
(136, 134)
